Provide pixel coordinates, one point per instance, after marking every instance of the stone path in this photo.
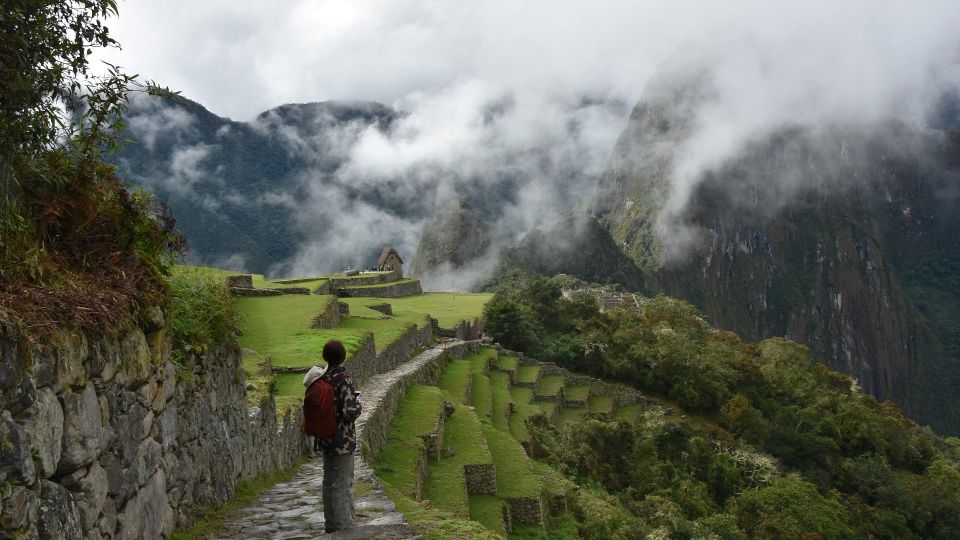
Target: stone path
(293, 510)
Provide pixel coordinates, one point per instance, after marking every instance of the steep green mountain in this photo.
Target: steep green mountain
(844, 238)
(235, 187)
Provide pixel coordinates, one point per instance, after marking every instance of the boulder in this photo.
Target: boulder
(45, 426)
(135, 360)
(15, 459)
(20, 508)
(59, 515)
(82, 429)
(92, 495)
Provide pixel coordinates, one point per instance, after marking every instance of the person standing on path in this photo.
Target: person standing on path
(338, 512)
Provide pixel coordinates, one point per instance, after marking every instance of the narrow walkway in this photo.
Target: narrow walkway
(293, 510)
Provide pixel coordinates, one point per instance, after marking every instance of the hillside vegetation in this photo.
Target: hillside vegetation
(756, 440)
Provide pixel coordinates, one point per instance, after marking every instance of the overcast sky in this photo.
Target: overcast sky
(240, 58)
(446, 63)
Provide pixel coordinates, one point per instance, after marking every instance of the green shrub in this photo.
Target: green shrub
(202, 312)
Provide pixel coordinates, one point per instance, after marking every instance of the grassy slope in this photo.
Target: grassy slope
(259, 282)
(416, 416)
(515, 477)
(446, 487)
(500, 391)
(550, 385)
(448, 308)
(528, 374)
(480, 392)
(454, 380)
(522, 398)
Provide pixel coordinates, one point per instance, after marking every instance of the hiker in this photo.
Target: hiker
(330, 408)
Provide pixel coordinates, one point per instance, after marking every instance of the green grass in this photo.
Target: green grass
(247, 491)
(522, 398)
(448, 308)
(550, 385)
(454, 379)
(289, 384)
(601, 404)
(480, 396)
(548, 407)
(436, 524)
(259, 282)
(507, 362)
(515, 477)
(577, 393)
(445, 487)
(629, 413)
(572, 415)
(487, 509)
(500, 390)
(528, 374)
(416, 415)
(280, 326)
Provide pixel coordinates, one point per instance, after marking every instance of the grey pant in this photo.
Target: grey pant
(337, 490)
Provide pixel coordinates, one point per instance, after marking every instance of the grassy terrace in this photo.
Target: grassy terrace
(601, 404)
(515, 477)
(280, 326)
(500, 392)
(387, 284)
(548, 407)
(528, 374)
(577, 393)
(629, 413)
(480, 392)
(259, 282)
(522, 399)
(550, 385)
(454, 380)
(486, 509)
(446, 487)
(416, 415)
(507, 362)
(572, 415)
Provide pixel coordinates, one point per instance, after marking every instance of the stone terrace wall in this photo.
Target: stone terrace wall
(374, 424)
(622, 394)
(372, 279)
(389, 290)
(107, 437)
(464, 330)
(366, 362)
(330, 318)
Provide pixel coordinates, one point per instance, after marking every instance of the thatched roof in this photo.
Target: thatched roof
(387, 250)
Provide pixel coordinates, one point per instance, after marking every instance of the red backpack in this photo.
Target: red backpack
(319, 410)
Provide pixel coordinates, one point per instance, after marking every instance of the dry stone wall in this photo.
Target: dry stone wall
(107, 437)
(330, 318)
(389, 290)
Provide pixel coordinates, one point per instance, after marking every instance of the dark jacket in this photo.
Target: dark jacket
(348, 409)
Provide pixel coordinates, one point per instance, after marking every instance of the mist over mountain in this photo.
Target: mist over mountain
(308, 188)
(841, 236)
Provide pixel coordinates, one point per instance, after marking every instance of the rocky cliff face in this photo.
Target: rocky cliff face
(455, 239)
(843, 238)
(106, 437)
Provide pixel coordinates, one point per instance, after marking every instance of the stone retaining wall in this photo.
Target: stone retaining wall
(360, 365)
(389, 290)
(526, 510)
(330, 318)
(481, 479)
(464, 330)
(244, 291)
(244, 281)
(372, 279)
(323, 288)
(375, 423)
(386, 309)
(107, 437)
(343, 309)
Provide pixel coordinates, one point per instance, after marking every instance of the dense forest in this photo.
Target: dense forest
(763, 440)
